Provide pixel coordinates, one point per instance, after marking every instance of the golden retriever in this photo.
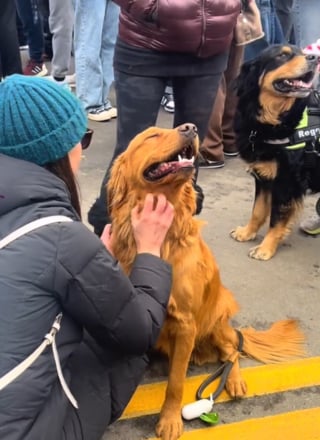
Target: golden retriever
(197, 326)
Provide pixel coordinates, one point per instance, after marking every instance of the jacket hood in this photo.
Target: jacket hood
(28, 192)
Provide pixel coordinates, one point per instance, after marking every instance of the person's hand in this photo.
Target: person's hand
(150, 223)
(106, 238)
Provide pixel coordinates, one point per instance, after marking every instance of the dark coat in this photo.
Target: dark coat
(199, 27)
(65, 267)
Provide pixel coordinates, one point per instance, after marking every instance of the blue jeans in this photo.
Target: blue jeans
(29, 14)
(95, 32)
(284, 10)
(272, 29)
(306, 21)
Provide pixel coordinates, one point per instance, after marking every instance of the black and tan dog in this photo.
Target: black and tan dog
(278, 131)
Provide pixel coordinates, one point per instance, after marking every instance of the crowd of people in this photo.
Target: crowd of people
(154, 56)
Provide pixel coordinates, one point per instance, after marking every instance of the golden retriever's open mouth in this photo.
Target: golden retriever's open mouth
(295, 85)
(181, 161)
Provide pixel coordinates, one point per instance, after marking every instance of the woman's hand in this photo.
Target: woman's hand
(106, 238)
(151, 222)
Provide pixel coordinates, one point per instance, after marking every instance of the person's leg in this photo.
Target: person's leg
(306, 22)
(233, 69)
(47, 36)
(102, 383)
(212, 147)
(90, 385)
(61, 20)
(138, 102)
(88, 28)
(284, 10)
(194, 97)
(10, 61)
(22, 38)
(220, 136)
(30, 17)
(109, 35)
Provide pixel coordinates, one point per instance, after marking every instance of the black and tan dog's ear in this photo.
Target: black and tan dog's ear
(247, 82)
(117, 188)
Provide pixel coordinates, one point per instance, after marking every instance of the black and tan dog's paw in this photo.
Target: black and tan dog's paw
(242, 233)
(261, 253)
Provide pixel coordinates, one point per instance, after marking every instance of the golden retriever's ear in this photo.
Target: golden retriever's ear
(117, 188)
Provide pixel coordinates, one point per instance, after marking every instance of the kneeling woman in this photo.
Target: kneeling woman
(62, 269)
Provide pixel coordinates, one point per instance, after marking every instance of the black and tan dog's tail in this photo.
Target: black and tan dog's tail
(283, 341)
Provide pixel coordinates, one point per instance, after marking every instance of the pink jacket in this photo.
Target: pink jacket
(199, 27)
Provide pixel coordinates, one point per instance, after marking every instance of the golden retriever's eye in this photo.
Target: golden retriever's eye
(152, 136)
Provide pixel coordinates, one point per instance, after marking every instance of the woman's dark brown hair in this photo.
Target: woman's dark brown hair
(62, 169)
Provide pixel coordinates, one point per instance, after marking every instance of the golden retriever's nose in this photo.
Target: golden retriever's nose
(188, 130)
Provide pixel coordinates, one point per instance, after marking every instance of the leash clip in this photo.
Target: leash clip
(54, 329)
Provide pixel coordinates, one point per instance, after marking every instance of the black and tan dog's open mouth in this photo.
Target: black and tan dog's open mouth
(181, 161)
(301, 83)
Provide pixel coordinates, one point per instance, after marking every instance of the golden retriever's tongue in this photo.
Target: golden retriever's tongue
(171, 167)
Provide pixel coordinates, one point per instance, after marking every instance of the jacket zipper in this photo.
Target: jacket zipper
(203, 27)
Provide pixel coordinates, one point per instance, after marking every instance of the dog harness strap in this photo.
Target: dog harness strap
(223, 371)
(306, 133)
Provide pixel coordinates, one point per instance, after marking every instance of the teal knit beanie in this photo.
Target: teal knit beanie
(39, 120)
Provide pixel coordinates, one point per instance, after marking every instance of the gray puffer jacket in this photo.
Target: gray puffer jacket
(64, 268)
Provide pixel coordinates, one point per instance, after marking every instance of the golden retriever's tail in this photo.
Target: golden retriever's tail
(282, 341)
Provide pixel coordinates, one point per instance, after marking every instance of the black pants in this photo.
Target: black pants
(103, 385)
(102, 382)
(10, 61)
(138, 103)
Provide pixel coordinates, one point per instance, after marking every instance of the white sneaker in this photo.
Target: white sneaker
(101, 114)
(71, 80)
(167, 102)
(33, 68)
(62, 83)
(311, 225)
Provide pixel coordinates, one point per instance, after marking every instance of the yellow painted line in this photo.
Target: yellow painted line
(295, 425)
(260, 380)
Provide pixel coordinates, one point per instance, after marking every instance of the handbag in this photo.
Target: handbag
(49, 338)
(248, 27)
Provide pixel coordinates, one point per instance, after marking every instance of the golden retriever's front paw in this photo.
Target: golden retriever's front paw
(242, 233)
(261, 253)
(236, 387)
(169, 427)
